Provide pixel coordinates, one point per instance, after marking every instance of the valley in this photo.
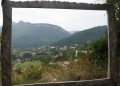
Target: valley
(44, 52)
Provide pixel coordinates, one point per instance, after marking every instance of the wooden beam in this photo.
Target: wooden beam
(98, 82)
(112, 47)
(6, 43)
(59, 5)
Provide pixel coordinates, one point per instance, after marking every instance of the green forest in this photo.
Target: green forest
(89, 35)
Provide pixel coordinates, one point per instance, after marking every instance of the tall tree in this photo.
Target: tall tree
(116, 4)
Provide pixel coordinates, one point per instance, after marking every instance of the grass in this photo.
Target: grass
(28, 63)
(82, 70)
(74, 72)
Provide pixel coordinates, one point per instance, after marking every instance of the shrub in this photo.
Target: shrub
(16, 78)
(76, 71)
(32, 73)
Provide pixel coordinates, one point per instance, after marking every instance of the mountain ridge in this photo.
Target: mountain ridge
(27, 34)
(48, 34)
(84, 36)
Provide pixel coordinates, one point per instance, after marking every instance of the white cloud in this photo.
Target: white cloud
(68, 19)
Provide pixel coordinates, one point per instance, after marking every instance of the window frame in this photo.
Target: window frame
(112, 78)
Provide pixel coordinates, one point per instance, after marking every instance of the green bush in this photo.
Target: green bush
(32, 73)
(99, 54)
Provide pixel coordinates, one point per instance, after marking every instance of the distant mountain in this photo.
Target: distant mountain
(72, 32)
(81, 37)
(38, 34)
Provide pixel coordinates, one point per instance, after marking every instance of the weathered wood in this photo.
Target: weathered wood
(58, 4)
(6, 43)
(98, 82)
(6, 40)
(112, 46)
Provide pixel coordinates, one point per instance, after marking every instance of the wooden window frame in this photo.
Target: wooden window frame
(112, 78)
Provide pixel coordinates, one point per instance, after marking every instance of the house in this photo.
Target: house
(72, 47)
(84, 51)
(34, 53)
(51, 63)
(61, 63)
(18, 61)
(66, 62)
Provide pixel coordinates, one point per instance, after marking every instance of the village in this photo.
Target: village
(47, 55)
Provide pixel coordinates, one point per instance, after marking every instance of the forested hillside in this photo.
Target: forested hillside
(81, 37)
(33, 35)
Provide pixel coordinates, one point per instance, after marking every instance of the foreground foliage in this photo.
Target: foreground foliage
(82, 70)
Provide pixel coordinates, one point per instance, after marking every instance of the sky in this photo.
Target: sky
(70, 20)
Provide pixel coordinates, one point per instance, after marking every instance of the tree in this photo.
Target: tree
(100, 52)
(116, 4)
(27, 55)
(14, 56)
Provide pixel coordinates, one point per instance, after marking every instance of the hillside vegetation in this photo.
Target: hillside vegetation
(82, 37)
(31, 35)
